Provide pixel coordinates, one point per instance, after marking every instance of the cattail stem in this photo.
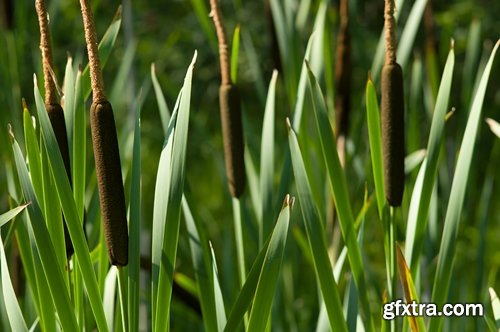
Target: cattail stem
(106, 153)
(225, 65)
(45, 47)
(230, 111)
(390, 32)
(93, 52)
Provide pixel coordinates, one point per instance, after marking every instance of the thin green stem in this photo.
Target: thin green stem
(240, 248)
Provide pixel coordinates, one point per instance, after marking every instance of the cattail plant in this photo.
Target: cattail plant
(106, 153)
(54, 109)
(392, 114)
(230, 111)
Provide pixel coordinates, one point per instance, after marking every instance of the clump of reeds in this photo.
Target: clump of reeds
(392, 114)
(54, 109)
(106, 153)
(230, 111)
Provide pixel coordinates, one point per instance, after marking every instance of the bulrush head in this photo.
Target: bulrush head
(230, 111)
(393, 138)
(54, 109)
(106, 153)
(109, 178)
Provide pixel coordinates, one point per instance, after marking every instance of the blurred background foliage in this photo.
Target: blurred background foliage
(166, 33)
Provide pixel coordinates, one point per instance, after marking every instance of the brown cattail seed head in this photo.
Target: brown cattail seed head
(109, 180)
(56, 116)
(393, 132)
(232, 131)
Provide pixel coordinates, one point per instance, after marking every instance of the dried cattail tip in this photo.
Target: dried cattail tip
(56, 116)
(109, 179)
(393, 132)
(232, 131)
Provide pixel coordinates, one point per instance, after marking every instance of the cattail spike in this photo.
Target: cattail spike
(393, 135)
(106, 153)
(232, 131)
(393, 132)
(109, 179)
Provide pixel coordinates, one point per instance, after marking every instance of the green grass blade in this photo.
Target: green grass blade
(247, 292)
(457, 195)
(267, 163)
(69, 99)
(317, 56)
(48, 258)
(413, 160)
(201, 262)
(472, 54)
(122, 77)
(14, 312)
(270, 271)
(235, 51)
(494, 127)
(163, 179)
(409, 32)
(105, 47)
(171, 231)
(72, 218)
(338, 188)
(422, 192)
(9, 215)
(416, 323)
(302, 87)
(160, 98)
(495, 304)
(238, 235)
(52, 212)
(33, 152)
(219, 301)
(375, 137)
(317, 240)
(79, 147)
(203, 16)
(135, 227)
(109, 297)
(26, 253)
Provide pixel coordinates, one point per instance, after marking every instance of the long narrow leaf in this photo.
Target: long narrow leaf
(457, 195)
(267, 162)
(269, 274)
(422, 192)
(375, 137)
(16, 318)
(68, 205)
(9, 215)
(53, 272)
(171, 231)
(201, 263)
(338, 188)
(316, 237)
